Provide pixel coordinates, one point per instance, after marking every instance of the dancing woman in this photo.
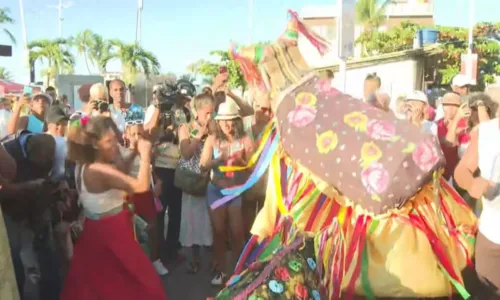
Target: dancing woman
(108, 263)
(229, 146)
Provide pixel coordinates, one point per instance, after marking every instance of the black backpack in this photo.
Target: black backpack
(15, 145)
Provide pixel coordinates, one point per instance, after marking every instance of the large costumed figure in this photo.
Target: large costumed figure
(355, 204)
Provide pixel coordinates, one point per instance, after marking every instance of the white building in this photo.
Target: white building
(323, 20)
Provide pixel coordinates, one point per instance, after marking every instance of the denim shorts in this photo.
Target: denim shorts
(214, 193)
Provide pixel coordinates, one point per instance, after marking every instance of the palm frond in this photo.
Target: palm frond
(10, 35)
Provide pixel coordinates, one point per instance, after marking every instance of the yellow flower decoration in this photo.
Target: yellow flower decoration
(327, 141)
(409, 148)
(370, 153)
(306, 99)
(356, 120)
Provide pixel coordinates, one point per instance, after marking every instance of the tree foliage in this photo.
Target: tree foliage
(454, 42)
(56, 53)
(5, 74)
(5, 18)
(210, 69)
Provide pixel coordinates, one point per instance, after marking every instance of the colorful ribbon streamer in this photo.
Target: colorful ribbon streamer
(260, 169)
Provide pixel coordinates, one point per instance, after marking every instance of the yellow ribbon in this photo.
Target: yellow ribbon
(267, 132)
(275, 170)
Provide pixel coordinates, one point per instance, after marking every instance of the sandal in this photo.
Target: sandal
(194, 267)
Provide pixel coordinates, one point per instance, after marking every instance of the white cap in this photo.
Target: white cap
(417, 96)
(460, 80)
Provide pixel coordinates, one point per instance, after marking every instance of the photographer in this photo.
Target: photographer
(168, 112)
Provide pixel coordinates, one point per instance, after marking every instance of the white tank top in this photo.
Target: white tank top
(101, 202)
(489, 165)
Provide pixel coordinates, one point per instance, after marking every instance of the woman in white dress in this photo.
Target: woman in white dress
(196, 229)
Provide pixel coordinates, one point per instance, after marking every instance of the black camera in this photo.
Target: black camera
(171, 93)
(100, 105)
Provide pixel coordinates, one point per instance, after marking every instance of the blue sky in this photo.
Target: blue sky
(181, 32)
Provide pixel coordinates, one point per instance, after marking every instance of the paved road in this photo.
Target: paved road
(178, 283)
(183, 286)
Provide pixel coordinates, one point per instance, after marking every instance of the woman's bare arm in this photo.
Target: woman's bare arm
(109, 177)
(464, 172)
(206, 161)
(245, 108)
(187, 145)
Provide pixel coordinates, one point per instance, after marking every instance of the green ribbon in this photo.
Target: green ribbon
(292, 35)
(365, 282)
(259, 54)
(306, 204)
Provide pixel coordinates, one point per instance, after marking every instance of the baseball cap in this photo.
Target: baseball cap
(417, 96)
(56, 114)
(460, 80)
(47, 97)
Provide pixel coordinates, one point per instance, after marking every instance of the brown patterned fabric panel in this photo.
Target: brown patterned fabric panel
(374, 159)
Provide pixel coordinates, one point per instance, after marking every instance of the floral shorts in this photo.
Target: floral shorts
(290, 274)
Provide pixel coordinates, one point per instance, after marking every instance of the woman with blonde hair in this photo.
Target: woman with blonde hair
(230, 145)
(195, 229)
(107, 263)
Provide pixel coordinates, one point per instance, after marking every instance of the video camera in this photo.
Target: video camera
(171, 93)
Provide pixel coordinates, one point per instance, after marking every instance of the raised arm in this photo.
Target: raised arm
(464, 172)
(206, 161)
(112, 178)
(187, 144)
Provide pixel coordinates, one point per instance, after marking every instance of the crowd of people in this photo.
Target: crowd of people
(79, 182)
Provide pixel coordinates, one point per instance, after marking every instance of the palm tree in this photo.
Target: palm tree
(5, 74)
(100, 52)
(56, 53)
(6, 19)
(83, 42)
(135, 59)
(370, 14)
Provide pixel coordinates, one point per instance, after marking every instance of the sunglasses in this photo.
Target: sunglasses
(134, 122)
(451, 105)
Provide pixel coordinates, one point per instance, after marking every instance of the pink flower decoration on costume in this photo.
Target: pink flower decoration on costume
(325, 86)
(426, 156)
(84, 120)
(375, 179)
(381, 130)
(302, 115)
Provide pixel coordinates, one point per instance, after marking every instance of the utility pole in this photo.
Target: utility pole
(138, 27)
(59, 7)
(472, 12)
(25, 55)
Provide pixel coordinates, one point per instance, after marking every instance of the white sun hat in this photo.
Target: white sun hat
(417, 96)
(228, 111)
(460, 80)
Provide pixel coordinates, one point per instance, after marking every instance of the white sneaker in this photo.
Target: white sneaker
(160, 268)
(218, 278)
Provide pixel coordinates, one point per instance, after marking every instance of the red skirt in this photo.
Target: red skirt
(109, 264)
(144, 205)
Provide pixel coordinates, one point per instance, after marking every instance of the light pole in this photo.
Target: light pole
(138, 27)
(470, 64)
(60, 8)
(26, 53)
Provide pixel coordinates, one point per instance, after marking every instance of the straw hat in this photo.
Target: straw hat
(228, 111)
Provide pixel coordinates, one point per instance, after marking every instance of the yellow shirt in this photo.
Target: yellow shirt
(8, 286)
